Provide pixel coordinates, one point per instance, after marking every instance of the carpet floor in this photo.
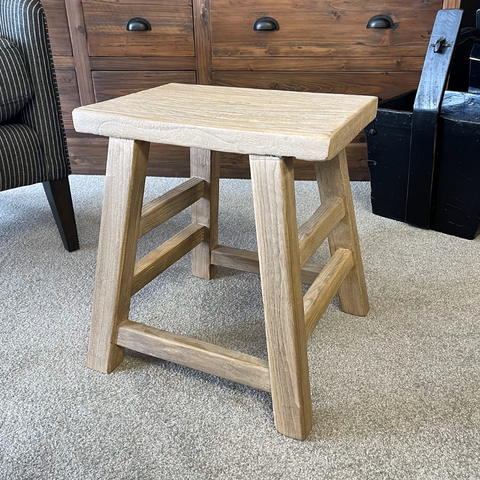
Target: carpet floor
(396, 395)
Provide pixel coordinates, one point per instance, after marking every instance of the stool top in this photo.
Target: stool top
(308, 126)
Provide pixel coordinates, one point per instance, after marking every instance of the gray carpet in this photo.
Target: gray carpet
(395, 394)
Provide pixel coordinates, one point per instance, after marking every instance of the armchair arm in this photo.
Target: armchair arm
(23, 23)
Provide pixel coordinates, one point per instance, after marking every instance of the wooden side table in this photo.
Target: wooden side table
(272, 127)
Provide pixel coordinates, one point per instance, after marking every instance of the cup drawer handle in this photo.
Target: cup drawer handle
(138, 24)
(380, 21)
(266, 24)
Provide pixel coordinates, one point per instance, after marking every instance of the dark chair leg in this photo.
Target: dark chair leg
(60, 200)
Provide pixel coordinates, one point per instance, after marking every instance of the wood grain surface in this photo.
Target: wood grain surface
(324, 27)
(108, 85)
(68, 90)
(382, 84)
(78, 38)
(325, 286)
(203, 356)
(304, 125)
(279, 258)
(319, 64)
(58, 27)
(333, 181)
(122, 205)
(171, 34)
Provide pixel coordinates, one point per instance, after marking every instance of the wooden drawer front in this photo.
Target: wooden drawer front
(383, 85)
(113, 84)
(322, 27)
(171, 34)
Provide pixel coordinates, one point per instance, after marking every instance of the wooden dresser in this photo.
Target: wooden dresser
(320, 46)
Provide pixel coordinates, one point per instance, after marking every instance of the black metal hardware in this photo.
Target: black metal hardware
(266, 24)
(138, 24)
(380, 21)
(440, 44)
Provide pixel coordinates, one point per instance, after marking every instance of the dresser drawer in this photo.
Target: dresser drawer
(110, 84)
(171, 33)
(380, 84)
(324, 28)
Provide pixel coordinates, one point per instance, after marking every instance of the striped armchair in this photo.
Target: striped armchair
(33, 146)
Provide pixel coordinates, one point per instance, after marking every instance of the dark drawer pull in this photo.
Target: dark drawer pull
(266, 24)
(138, 24)
(380, 21)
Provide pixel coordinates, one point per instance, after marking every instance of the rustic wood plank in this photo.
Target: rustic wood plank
(58, 27)
(68, 91)
(158, 3)
(124, 186)
(189, 352)
(312, 127)
(88, 156)
(277, 235)
(64, 62)
(333, 181)
(143, 64)
(78, 38)
(171, 203)
(381, 84)
(108, 85)
(315, 230)
(171, 34)
(342, 31)
(452, 4)
(157, 261)
(319, 64)
(203, 40)
(247, 261)
(204, 164)
(322, 291)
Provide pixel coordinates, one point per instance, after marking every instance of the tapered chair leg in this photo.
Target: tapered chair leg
(279, 258)
(333, 182)
(60, 200)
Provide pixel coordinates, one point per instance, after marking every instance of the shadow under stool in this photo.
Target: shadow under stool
(272, 127)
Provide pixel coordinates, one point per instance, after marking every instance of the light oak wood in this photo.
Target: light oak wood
(161, 209)
(333, 181)
(78, 38)
(205, 164)
(279, 256)
(189, 352)
(324, 288)
(122, 204)
(305, 125)
(247, 261)
(157, 261)
(315, 230)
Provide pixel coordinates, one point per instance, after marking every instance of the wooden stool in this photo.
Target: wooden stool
(272, 127)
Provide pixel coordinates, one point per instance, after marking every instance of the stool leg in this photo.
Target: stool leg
(333, 181)
(205, 164)
(279, 257)
(119, 230)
